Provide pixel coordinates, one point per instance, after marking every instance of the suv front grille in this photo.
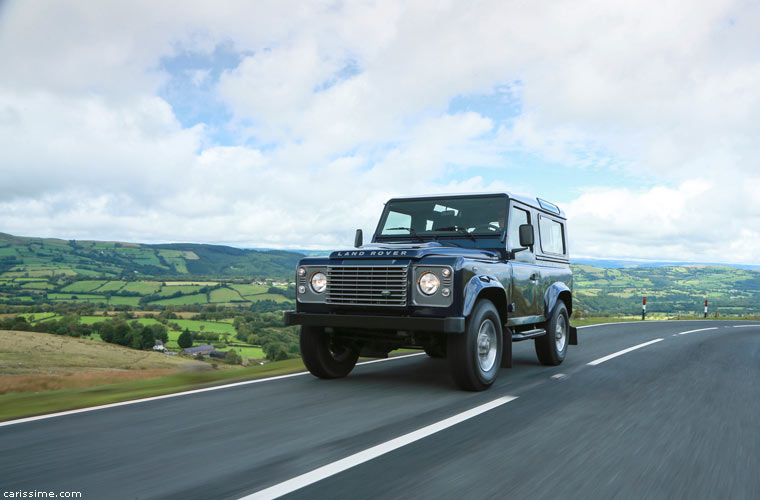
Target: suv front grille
(367, 285)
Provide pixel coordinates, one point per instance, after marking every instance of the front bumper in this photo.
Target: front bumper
(405, 323)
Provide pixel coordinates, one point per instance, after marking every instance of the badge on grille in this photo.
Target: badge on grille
(385, 293)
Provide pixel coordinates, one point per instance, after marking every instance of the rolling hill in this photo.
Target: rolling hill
(38, 257)
(40, 270)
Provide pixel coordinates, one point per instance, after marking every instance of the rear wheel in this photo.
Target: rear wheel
(324, 355)
(475, 355)
(552, 347)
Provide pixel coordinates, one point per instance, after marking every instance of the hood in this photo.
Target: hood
(411, 251)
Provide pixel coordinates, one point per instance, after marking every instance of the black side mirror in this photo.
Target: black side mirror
(358, 239)
(526, 235)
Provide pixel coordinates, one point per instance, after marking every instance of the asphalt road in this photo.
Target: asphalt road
(677, 418)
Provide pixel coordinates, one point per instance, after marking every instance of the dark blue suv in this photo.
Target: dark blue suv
(461, 276)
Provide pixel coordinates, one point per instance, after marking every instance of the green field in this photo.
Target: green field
(129, 301)
(183, 289)
(198, 298)
(244, 290)
(207, 326)
(112, 286)
(225, 295)
(83, 286)
(269, 296)
(142, 287)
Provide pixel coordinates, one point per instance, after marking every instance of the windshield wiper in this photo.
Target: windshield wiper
(412, 232)
(458, 229)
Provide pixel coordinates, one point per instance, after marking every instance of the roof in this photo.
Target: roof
(537, 203)
(198, 348)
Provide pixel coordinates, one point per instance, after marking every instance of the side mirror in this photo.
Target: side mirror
(526, 235)
(358, 239)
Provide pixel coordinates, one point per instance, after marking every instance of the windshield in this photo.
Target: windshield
(482, 215)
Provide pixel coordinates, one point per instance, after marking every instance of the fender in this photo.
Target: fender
(550, 300)
(484, 284)
(474, 288)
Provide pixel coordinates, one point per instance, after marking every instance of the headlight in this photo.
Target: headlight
(429, 283)
(318, 282)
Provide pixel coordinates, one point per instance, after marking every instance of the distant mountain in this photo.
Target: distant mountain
(108, 258)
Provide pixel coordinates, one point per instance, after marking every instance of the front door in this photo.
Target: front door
(525, 276)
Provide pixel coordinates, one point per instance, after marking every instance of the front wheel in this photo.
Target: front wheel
(552, 347)
(475, 355)
(324, 355)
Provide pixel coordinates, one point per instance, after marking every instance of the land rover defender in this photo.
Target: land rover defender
(460, 276)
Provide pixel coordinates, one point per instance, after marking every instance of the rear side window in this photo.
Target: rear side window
(552, 236)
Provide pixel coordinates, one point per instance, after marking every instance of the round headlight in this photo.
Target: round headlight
(318, 282)
(429, 283)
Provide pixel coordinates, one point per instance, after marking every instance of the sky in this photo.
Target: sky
(288, 124)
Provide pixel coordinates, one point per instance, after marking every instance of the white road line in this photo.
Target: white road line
(184, 393)
(745, 326)
(619, 353)
(341, 465)
(700, 330)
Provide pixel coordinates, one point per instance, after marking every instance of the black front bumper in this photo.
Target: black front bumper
(405, 323)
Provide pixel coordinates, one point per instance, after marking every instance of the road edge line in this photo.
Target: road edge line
(183, 393)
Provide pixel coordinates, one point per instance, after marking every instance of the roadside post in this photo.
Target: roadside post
(705, 308)
(644, 309)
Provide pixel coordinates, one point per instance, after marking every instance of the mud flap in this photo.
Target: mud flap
(506, 351)
(573, 336)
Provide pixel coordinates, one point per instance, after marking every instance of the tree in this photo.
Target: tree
(185, 340)
(160, 332)
(147, 340)
(233, 357)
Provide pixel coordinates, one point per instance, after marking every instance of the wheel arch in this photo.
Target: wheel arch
(485, 287)
(558, 291)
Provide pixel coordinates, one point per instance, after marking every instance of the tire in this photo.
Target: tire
(475, 355)
(552, 347)
(323, 357)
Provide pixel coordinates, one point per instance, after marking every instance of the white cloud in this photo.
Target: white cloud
(337, 107)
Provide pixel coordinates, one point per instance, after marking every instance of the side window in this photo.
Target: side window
(517, 216)
(552, 236)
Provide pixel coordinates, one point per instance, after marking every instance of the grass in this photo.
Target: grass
(199, 283)
(198, 298)
(129, 301)
(224, 295)
(244, 290)
(18, 405)
(276, 297)
(112, 286)
(249, 352)
(24, 353)
(656, 317)
(82, 286)
(184, 289)
(142, 287)
(208, 326)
